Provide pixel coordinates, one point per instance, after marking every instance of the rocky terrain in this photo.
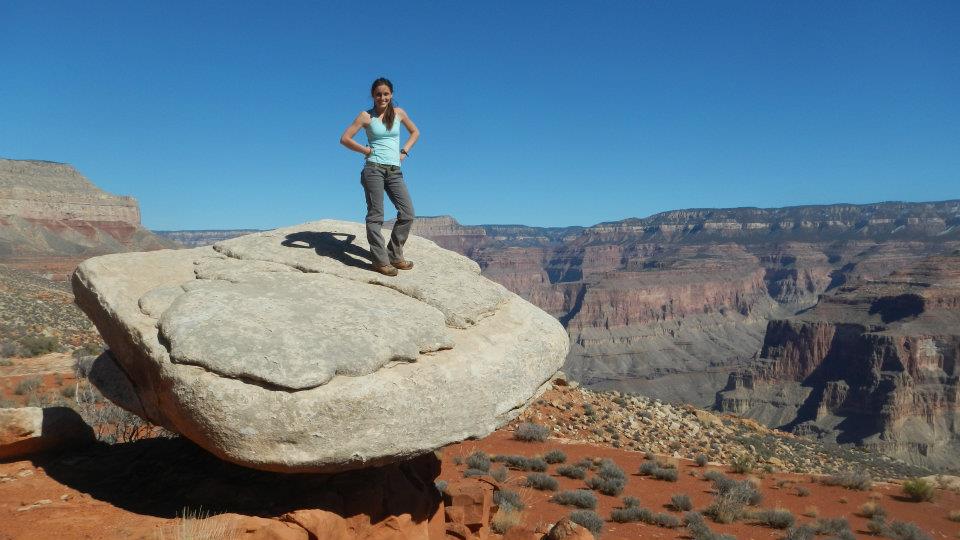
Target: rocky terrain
(52, 217)
(874, 363)
(202, 238)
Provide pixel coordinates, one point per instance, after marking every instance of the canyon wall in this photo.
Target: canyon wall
(50, 212)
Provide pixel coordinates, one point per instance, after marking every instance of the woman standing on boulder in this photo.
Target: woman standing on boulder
(382, 172)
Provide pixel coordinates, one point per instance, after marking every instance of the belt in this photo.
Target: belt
(384, 166)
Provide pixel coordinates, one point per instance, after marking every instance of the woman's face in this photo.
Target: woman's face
(382, 96)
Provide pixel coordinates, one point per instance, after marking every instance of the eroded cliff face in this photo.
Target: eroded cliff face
(671, 305)
(874, 364)
(50, 210)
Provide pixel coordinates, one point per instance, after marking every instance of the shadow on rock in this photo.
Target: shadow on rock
(160, 477)
(337, 246)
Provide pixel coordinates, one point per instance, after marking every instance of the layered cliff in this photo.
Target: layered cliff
(51, 210)
(873, 364)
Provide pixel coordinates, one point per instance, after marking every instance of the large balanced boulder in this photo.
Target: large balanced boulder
(283, 351)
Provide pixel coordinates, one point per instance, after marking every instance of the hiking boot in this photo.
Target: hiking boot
(386, 270)
(402, 265)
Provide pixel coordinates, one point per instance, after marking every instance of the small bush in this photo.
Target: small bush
(587, 519)
(802, 491)
(474, 473)
(585, 463)
(870, 509)
(27, 386)
(731, 500)
(777, 518)
(632, 514)
(877, 526)
(954, 515)
(811, 511)
(68, 391)
(713, 475)
(6, 362)
(542, 482)
(507, 498)
(555, 456)
(530, 432)
(441, 486)
(572, 471)
(670, 475)
(918, 489)
(699, 530)
(609, 469)
(831, 526)
(647, 468)
(581, 498)
(631, 502)
(701, 460)
(666, 521)
(37, 345)
(743, 464)
(803, 532)
(479, 460)
(522, 463)
(681, 502)
(607, 486)
(499, 473)
(857, 480)
(505, 519)
(899, 530)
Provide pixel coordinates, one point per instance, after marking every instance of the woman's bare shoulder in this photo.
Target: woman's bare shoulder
(401, 114)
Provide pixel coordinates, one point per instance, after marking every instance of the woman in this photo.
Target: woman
(382, 172)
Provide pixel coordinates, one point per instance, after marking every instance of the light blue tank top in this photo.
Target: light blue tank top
(385, 143)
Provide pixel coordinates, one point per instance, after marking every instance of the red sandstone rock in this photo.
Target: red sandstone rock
(568, 530)
(473, 500)
(29, 430)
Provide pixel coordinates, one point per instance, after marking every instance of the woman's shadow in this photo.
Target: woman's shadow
(337, 246)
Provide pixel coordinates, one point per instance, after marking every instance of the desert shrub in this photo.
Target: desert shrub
(607, 486)
(877, 526)
(743, 464)
(37, 345)
(572, 471)
(670, 475)
(647, 468)
(699, 530)
(609, 469)
(8, 348)
(507, 498)
(441, 486)
(585, 463)
(919, 489)
(811, 511)
(681, 502)
(505, 519)
(802, 491)
(27, 386)
(666, 521)
(457, 460)
(803, 532)
(581, 498)
(499, 473)
(954, 515)
(542, 482)
(530, 432)
(701, 460)
(473, 473)
(712, 475)
(522, 463)
(870, 509)
(857, 480)
(631, 502)
(731, 500)
(555, 456)
(589, 410)
(632, 514)
(198, 524)
(777, 518)
(587, 519)
(479, 460)
(831, 526)
(899, 530)
(5, 362)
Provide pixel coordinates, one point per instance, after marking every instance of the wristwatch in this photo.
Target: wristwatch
(404, 152)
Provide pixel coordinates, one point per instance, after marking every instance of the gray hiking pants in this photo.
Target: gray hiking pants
(376, 179)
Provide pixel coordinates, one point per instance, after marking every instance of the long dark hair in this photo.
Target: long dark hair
(390, 114)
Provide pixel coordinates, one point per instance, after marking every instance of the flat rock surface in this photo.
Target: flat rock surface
(284, 351)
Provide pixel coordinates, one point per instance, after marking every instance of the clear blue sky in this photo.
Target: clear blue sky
(228, 114)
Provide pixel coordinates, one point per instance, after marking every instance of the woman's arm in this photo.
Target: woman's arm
(347, 138)
(412, 128)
